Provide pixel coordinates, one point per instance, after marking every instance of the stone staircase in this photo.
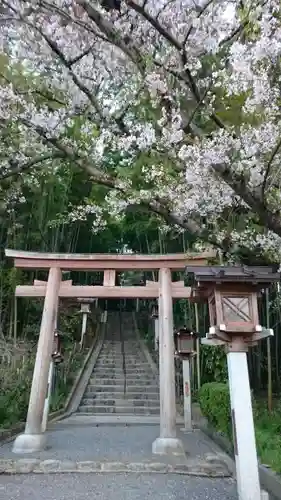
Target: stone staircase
(122, 381)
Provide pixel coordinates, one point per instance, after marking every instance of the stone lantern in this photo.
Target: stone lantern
(232, 295)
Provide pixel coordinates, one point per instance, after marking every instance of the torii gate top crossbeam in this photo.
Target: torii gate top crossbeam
(119, 262)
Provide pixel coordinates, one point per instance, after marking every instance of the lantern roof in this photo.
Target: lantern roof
(255, 275)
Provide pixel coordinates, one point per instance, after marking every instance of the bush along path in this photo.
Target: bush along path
(15, 383)
(214, 402)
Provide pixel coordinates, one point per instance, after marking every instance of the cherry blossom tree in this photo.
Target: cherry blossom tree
(170, 105)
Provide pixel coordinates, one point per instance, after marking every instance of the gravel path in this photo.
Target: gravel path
(114, 487)
(110, 442)
(73, 440)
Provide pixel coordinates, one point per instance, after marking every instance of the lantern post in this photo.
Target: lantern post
(232, 296)
(185, 349)
(56, 359)
(85, 311)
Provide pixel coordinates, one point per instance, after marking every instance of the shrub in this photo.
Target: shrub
(15, 383)
(215, 405)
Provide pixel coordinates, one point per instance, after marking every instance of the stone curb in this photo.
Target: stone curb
(36, 466)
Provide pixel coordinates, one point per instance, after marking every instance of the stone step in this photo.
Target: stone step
(120, 366)
(135, 352)
(117, 366)
(119, 409)
(133, 375)
(141, 389)
(129, 375)
(142, 382)
(120, 402)
(120, 394)
(128, 359)
(134, 361)
(129, 350)
(117, 348)
(120, 374)
(111, 361)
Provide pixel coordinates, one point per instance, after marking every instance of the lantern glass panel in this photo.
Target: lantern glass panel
(236, 309)
(186, 344)
(213, 311)
(56, 343)
(85, 308)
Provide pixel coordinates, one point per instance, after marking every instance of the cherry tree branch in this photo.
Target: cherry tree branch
(201, 11)
(70, 154)
(268, 167)
(128, 47)
(17, 167)
(253, 199)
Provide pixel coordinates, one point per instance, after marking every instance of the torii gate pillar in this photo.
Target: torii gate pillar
(167, 443)
(33, 439)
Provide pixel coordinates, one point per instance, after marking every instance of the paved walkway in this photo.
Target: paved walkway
(121, 464)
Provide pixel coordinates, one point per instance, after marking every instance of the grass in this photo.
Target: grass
(268, 434)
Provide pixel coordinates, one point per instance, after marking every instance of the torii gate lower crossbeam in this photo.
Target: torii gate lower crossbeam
(33, 439)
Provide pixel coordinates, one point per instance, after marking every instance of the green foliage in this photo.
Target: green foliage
(268, 433)
(65, 375)
(15, 388)
(215, 405)
(15, 379)
(213, 364)
(15, 385)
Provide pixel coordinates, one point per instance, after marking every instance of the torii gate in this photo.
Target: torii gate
(33, 439)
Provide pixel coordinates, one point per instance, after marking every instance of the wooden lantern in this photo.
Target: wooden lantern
(232, 295)
(56, 354)
(184, 340)
(234, 309)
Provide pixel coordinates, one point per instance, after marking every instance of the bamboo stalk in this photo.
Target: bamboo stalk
(197, 347)
(276, 339)
(15, 319)
(269, 361)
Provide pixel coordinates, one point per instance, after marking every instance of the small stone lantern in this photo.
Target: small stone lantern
(56, 354)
